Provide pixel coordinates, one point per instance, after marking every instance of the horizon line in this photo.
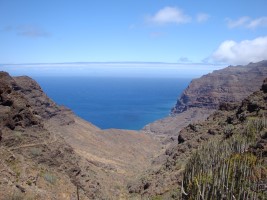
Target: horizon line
(117, 62)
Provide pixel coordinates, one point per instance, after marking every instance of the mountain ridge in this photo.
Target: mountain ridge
(230, 84)
(203, 96)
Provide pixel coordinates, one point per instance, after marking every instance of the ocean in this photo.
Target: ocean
(109, 102)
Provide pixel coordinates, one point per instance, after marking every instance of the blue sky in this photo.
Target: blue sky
(171, 31)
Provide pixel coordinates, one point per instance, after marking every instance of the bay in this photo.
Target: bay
(110, 102)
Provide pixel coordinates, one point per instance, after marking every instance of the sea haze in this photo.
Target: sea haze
(109, 102)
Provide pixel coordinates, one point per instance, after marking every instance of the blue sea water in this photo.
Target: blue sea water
(127, 103)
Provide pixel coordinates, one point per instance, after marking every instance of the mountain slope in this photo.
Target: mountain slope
(203, 96)
(231, 84)
(45, 149)
(246, 120)
(34, 162)
(238, 169)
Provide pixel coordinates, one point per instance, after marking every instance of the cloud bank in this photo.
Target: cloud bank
(247, 22)
(243, 52)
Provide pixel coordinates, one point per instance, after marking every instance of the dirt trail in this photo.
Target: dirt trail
(54, 139)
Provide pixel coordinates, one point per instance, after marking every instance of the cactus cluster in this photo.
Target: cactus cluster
(227, 168)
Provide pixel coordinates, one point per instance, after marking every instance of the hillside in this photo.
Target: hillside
(49, 153)
(237, 133)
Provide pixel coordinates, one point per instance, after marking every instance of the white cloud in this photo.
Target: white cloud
(243, 52)
(202, 17)
(247, 22)
(236, 23)
(169, 15)
(262, 21)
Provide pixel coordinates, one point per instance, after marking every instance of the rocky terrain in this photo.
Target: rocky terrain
(47, 152)
(231, 84)
(204, 95)
(232, 123)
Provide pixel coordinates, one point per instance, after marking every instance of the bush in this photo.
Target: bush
(225, 169)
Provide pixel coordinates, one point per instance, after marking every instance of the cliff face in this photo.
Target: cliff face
(231, 84)
(203, 96)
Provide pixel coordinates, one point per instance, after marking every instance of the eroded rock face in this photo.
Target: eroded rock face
(43, 106)
(221, 89)
(231, 84)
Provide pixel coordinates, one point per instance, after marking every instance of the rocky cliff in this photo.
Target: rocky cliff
(203, 96)
(231, 84)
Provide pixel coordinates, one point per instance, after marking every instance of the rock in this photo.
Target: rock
(264, 86)
(227, 106)
(22, 189)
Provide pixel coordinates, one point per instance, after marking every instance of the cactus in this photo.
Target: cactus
(226, 169)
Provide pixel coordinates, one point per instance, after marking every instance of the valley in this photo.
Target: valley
(47, 152)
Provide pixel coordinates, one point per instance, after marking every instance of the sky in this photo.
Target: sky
(168, 31)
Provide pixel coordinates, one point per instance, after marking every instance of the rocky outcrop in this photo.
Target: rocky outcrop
(42, 104)
(15, 111)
